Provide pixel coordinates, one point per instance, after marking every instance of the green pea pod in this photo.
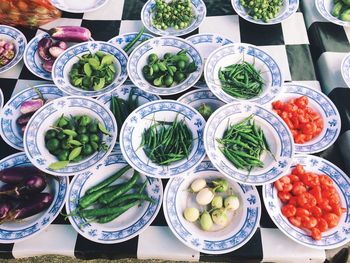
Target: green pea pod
(107, 60)
(58, 165)
(74, 142)
(345, 16)
(74, 153)
(103, 129)
(69, 132)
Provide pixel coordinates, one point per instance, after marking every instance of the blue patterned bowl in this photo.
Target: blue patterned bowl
(345, 69)
(79, 6)
(34, 141)
(277, 135)
(288, 9)
(332, 238)
(10, 132)
(234, 53)
(324, 7)
(319, 102)
(198, 7)
(18, 39)
(64, 63)
(142, 118)
(160, 46)
(129, 224)
(15, 231)
(122, 40)
(243, 222)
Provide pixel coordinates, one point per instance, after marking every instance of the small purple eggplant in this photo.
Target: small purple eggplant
(43, 48)
(15, 175)
(2, 43)
(70, 33)
(47, 65)
(26, 208)
(32, 105)
(55, 51)
(1, 50)
(5, 208)
(33, 184)
(9, 46)
(9, 54)
(62, 44)
(24, 119)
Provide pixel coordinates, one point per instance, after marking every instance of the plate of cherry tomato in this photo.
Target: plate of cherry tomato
(310, 115)
(310, 204)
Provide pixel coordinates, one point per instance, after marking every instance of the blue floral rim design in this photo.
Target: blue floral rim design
(345, 69)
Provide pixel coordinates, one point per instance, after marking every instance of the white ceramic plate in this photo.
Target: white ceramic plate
(10, 132)
(1, 99)
(122, 40)
(324, 7)
(288, 9)
(196, 98)
(206, 44)
(129, 224)
(234, 53)
(332, 238)
(243, 222)
(198, 7)
(321, 104)
(142, 118)
(16, 37)
(34, 141)
(79, 6)
(63, 65)
(275, 130)
(345, 69)
(20, 230)
(160, 46)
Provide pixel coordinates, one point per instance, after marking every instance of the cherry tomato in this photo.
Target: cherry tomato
(325, 206)
(316, 192)
(306, 200)
(293, 201)
(295, 220)
(309, 222)
(294, 178)
(337, 209)
(298, 188)
(298, 170)
(316, 211)
(285, 180)
(302, 212)
(284, 196)
(289, 210)
(316, 234)
(333, 199)
(325, 180)
(287, 187)
(279, 185)
(302, 102)
(332, 219)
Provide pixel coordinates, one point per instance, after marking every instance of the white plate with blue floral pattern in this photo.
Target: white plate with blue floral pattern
(345, 69)
(63, 65)
(242, 225)
(162, 110)
(332, 238)
(16, 37)
(277, 134)
(235, 53)
(129, 224)
(206, 43)
(160, 46)
(198, 8)
(19, 230)
(79, 6)
(46, 116)
(320, 103)
(325, 7)
(287, 10)
(10, 131)
(122, 40)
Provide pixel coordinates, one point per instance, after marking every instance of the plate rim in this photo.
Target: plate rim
(80, 10)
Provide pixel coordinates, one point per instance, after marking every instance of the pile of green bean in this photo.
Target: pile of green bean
(262, 9)
(110, 201)
(167, 142)
(241, 80)
(243, 143)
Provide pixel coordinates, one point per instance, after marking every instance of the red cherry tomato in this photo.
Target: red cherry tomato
(325, 180)
(309, 222)
(316, 211)
(284, 196)
(322, 224)
(316, 192)
(298, 188)
(302, 212)
(295, 220)
(332, 219)
(316, 234)
(289, 210)
(306, 200)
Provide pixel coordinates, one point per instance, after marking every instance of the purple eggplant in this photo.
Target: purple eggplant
(9, 54)
(5, 208)
(61, 44)
(1, 50)
(26, 208)
(32, 184)
(15, 175)
(55, 51)
(24, 119)
(47, 65)
(43, 48)
(9, 46)
(2, 42)
(31, 106)
(70, 33)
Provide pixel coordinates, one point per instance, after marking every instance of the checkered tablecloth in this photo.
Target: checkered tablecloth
(287, 43)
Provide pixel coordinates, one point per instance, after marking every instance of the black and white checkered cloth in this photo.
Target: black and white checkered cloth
(287, 43)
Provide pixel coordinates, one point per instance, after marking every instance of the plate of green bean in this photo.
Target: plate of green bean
(112, 203)
(248, 143)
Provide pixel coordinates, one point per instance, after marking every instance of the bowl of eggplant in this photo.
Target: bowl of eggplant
(42, 51)
(29, 199)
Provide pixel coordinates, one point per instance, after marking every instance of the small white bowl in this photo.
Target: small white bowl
(324, 7)
(142, 118)
(160, 46)
(16, 37)
(288, 9)
(198, 7)
(46, 116)
(234, 53)
(63, 64)
(275, 130)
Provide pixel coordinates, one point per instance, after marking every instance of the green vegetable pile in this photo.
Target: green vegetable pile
(72, 139)
(262, 9)
(167, 142)
(93, 72)
(172, 68)
(241, 80)
(107, 201)
(341, 9)
(243, 143)
(177, 14)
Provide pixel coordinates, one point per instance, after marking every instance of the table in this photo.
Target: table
(287, 43)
